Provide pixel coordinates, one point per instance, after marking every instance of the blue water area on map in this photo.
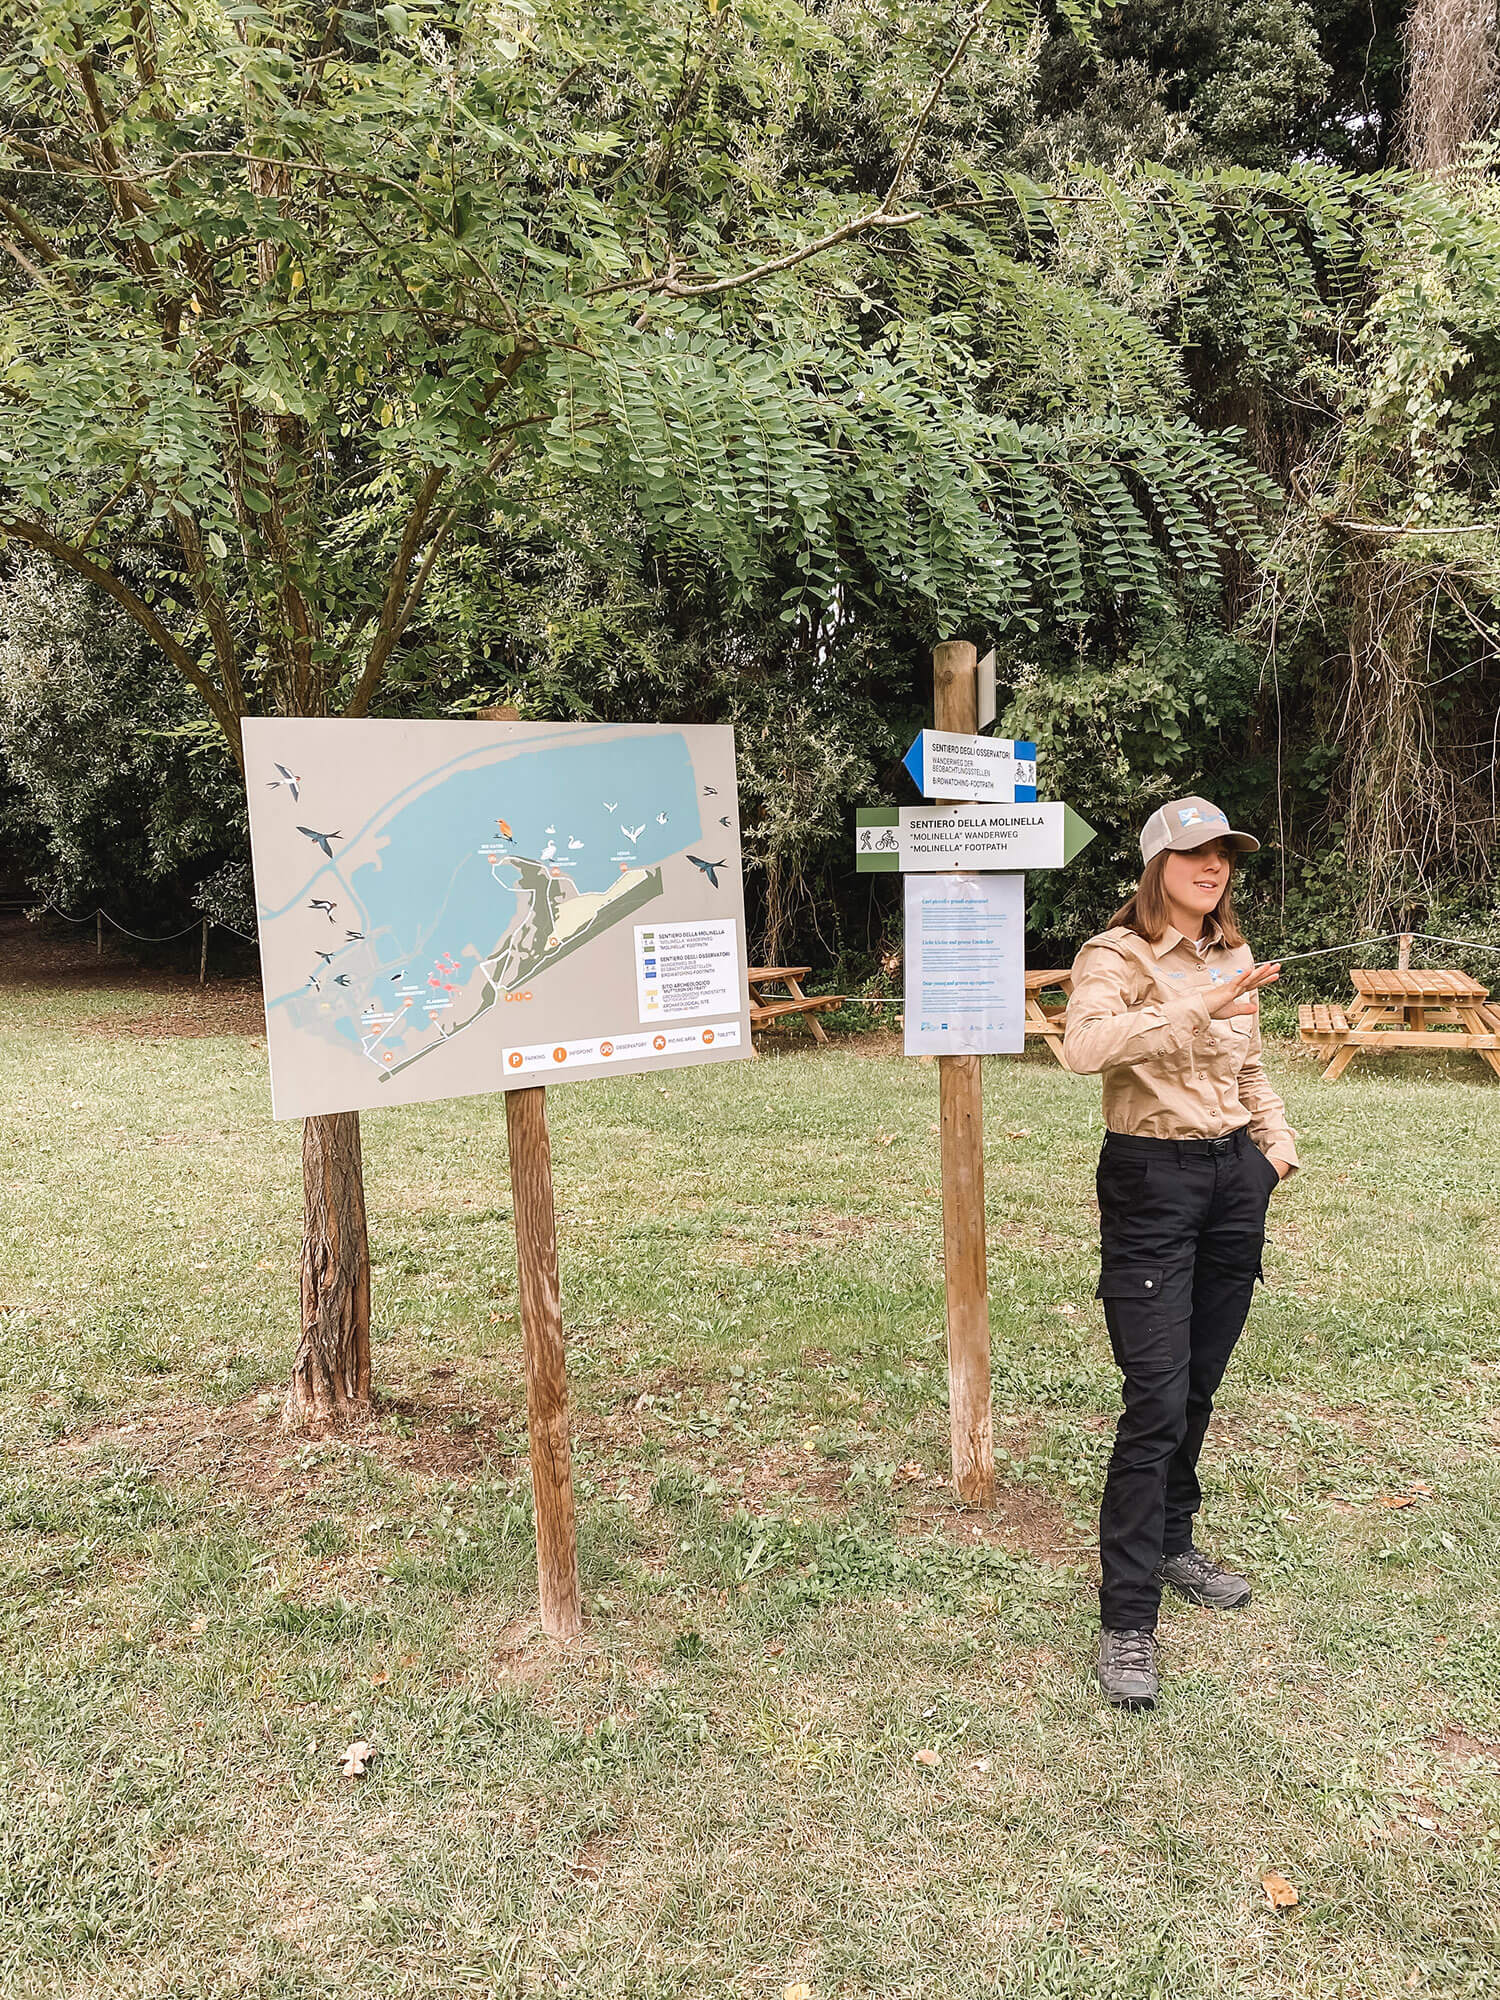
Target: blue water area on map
(438, 885)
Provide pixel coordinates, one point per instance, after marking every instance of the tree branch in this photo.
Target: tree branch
(38, 537)
(931, 105)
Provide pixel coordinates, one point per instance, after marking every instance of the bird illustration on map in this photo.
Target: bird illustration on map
(288, 779)
(661, 819)
(354, 936)
(710, 791)
(574, 844)
(322, 903)
(326, 956)
(723, 819)
(324, 840)
(633, 833)
(504, 826)
(549, 852)
(708, 867)
(341, 979)
(611, 805)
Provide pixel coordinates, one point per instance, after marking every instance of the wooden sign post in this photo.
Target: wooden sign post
(548, 1434)
(546, 1362)
(961, 1142)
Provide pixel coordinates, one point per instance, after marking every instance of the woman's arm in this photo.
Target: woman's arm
(1268, 1126)
(1104, 1031)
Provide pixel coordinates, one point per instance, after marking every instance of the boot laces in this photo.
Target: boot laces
(1198, 1565)
(1134, 1651)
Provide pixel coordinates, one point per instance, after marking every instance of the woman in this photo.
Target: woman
(1195, 1142)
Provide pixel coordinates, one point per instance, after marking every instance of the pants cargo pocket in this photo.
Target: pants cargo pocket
(1135, 1311)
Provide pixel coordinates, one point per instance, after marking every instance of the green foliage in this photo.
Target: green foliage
(110, 769)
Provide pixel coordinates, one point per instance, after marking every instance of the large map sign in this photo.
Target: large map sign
(448, 908)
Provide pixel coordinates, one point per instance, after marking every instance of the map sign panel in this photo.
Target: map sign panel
(448, 908)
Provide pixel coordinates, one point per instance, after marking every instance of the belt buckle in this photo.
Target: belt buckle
(1221, 1145)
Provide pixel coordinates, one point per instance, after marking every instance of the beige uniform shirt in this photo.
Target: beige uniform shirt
(1139, 1013)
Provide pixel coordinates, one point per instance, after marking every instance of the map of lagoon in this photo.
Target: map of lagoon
(386, 939)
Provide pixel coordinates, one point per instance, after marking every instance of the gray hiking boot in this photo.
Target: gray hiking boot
(1127, 1668)
(1193, 1576)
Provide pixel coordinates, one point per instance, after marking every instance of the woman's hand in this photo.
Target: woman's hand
(1237, 997)
(1283, 1167)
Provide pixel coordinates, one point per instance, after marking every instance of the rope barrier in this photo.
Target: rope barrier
(140, 937)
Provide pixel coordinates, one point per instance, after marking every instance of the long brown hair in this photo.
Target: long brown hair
(1149, 914)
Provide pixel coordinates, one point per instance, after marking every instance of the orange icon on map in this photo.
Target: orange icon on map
(658, 1041)
(708, 1034)
(606, 1048)
(559, 1055)
(515, 1058)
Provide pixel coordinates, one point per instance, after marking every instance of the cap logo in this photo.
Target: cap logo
(1190, 816)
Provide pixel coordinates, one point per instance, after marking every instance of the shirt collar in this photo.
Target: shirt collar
(1170, 939)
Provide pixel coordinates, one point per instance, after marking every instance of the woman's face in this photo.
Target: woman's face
(1195, 881)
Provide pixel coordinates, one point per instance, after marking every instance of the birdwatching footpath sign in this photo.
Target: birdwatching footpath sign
(452, 908)
(948, 766)
(934, 839)
(966, 858)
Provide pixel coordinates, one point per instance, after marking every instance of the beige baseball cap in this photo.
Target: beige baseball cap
(1189, 823)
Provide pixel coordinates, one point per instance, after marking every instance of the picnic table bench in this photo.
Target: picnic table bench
(1406, 1008)
(1043, 1020)
(764, 1011)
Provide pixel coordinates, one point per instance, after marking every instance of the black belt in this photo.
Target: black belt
(1182, 1149)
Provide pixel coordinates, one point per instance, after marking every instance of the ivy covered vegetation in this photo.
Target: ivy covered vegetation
(709, 360)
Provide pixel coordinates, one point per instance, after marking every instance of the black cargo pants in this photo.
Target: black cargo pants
(1182, 1229)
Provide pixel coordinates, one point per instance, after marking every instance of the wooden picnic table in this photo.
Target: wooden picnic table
(1406, 1008)
(764, 1011)
(1047, 1022)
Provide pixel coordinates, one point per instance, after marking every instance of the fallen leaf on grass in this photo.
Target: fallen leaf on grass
(355, 1760)
(798, 1993)
(1279, 1892)
(1020, 1132)
(928, 1757)
(266, 1264)
(1396, 1500)
(379, 1680)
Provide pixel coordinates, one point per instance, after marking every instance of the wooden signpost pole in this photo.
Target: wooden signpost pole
(546, 1362)
(961, 1100)
(547, 1426)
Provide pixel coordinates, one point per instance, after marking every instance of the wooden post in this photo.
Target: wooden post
(961, 1142)
(1403, 954)
(546, 1362)
(203, 957)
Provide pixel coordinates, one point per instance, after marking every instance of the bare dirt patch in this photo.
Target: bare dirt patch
(241, 1447)
(46, 957)
(1464, 1748)
(1022, 1520)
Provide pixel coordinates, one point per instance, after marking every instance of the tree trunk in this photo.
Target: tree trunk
(331, 1378)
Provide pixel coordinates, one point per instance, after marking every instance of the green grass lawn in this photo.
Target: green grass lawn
(717, 1791)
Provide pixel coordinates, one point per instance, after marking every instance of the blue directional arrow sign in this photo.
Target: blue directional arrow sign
(995, 769)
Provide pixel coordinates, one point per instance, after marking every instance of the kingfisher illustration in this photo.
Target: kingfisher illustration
(324, 840)
(504, 826)
(708, 867)
(287, 778)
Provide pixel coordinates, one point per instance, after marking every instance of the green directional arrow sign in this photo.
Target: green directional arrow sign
(985, 838)
(1077, 833)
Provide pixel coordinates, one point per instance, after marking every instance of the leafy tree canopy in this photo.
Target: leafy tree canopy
(297, 295)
